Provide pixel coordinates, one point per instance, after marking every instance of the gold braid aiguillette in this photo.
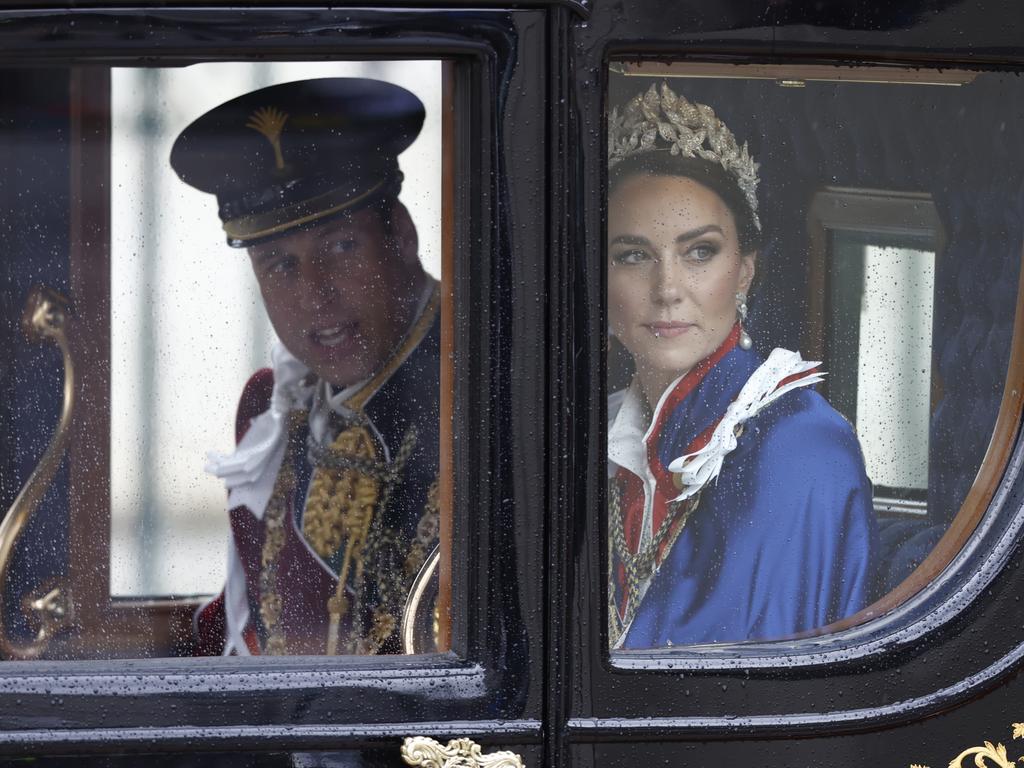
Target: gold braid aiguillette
(274, 521)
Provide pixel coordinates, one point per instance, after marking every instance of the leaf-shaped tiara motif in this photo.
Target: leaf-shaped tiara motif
(657, 122)
(270, 122)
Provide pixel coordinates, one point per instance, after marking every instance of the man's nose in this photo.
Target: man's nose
(668, 277)
(316, 284)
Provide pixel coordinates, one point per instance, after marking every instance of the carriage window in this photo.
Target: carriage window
(243, 268)
(812, 291)
(878, 251)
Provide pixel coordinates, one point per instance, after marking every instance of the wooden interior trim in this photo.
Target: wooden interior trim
(817, 283)
(917, 215)
(446, 447)
(858, 210)
(983, 489)
(105, 627)
(796, 74)
(89, 257)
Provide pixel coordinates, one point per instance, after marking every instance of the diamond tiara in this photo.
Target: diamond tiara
(652, 122)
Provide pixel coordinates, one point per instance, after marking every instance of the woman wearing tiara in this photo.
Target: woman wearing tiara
(739, 507)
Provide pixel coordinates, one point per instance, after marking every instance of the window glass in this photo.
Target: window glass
(168, 534)
(812, 288)
(254, 294)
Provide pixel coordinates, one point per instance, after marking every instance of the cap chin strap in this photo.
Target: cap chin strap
(245, 229)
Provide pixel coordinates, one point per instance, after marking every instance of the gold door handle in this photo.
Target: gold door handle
(49, 607)
(419, 626)
(457, 753)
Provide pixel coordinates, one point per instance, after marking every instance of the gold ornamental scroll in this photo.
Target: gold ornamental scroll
(457, 753)
(49, 608)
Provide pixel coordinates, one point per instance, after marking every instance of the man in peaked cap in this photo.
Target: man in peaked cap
(332, 488)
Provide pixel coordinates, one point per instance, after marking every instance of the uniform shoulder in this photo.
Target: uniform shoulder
(255, 400)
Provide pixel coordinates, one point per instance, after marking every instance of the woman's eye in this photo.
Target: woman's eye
(702, 252)
(634, 256)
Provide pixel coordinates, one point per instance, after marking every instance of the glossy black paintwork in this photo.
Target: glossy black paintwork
(488, 684)
(942, 649)
(531, 667)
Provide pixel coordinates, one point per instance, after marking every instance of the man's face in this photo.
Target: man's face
(341, 294)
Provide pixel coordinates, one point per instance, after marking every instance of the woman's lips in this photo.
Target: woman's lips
(668, 330)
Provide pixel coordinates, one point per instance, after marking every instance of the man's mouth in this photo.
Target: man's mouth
(334, 336)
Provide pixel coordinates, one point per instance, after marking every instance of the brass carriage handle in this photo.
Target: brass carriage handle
(419, 619)
(49, 607)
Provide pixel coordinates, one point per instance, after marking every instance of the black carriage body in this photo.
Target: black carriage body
(529, 669)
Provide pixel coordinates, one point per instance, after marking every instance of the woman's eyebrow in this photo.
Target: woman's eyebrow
(698, 232)
(630, 240)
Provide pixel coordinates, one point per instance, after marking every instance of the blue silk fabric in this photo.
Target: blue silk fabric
(783, 542)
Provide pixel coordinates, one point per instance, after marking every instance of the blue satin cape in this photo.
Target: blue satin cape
(783, 541)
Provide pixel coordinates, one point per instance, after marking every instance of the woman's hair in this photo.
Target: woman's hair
(705, 172)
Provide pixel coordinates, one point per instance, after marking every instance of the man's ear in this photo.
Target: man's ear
(403, 233)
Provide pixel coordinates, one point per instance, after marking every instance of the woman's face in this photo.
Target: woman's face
(674, 268)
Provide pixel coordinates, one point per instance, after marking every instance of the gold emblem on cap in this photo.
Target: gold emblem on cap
(270, 121)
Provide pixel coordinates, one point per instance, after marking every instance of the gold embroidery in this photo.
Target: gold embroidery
(641, 565)
(426, 533)
(341, 502)
(412, 340)
(270, 122)
(273, 541)
(346, 502)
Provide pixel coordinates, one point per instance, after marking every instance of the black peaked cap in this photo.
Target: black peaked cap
(288, 155)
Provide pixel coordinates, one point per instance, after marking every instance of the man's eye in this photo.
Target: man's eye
(634, 256)
(280, 267)
(343, 245)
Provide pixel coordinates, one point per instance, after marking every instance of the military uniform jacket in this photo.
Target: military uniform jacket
(333, 506)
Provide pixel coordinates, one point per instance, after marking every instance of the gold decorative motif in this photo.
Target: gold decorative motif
(457, 753)
(270, 122)
(340, 506)
(653, 122)
(277, 220)
(988, 755)
(427, 531)
(412, 340)
(274, 538)
(996, 753)
(49, 608)
(415, 614)
(347, 499)
(641, 565)
(340, 502)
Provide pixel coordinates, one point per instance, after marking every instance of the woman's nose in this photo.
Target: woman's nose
(667, 281)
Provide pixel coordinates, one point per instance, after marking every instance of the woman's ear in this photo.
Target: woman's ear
(748, 268)
(403, 233)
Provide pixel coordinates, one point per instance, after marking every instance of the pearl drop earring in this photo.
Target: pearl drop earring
(741, 310)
